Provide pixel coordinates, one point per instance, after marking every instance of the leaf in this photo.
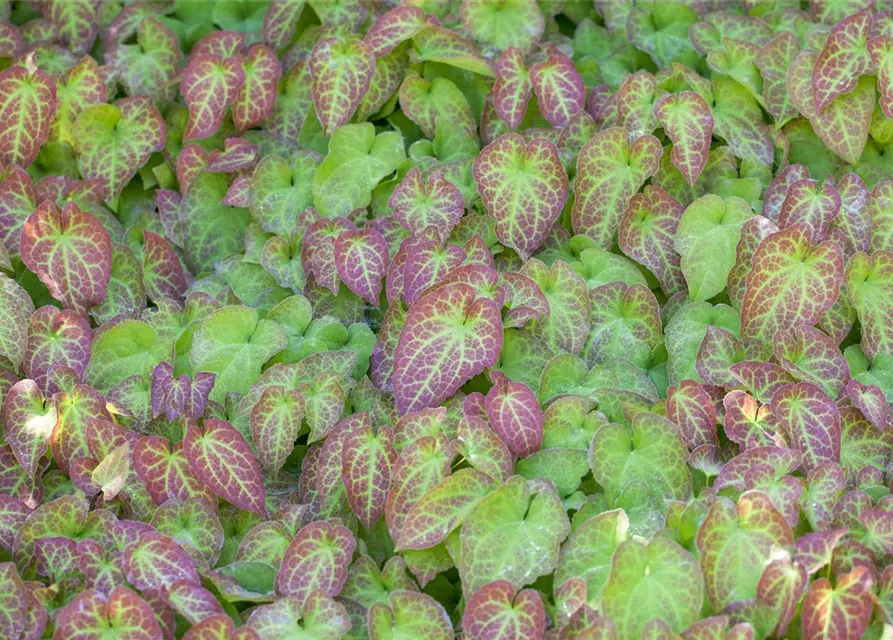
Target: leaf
(361, 259)
(589, 549)
(233, 344)
(114, 140)
(367, 461)
(647, 459)
(437, 44)
(223, 460)
(513, 534)
(706, 240)
(843, 59)
(254, 102)
(28, 102)
(655, 581)
(209, 84)
(121, 615)
(29, 419)
(748, 423)
(357, 160)
(397, 25)
(647, 232)
(844, 124)
(812, 356)
(410, 615)
(512, 88)
(71, 253)
(156, 561)
(56, 338)
(148, 66)
(735, 542)
(812, 421)
(690, 407)
(483, 448)
(112, 472)
(448, 324)
(517, 25)
(792, 282)
(439, 103)
(558, 87)
(610, 171)
(442, 509)
(275, 423)
(524, 188)
(496, 611)
(866, 282)
(513, 411)
(687, 121)
(316, 560)
(342, 70)
(843, 611)
(418, 205)
(319, 616)
(567, 325)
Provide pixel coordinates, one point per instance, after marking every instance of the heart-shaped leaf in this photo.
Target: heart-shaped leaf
(114, 140)
(499, 535)
(254, 102)
(367, 461)
(841, 611)
(513, 411)
(868, 280)
(70, 251)
(649, 570)
(812, 421)
(316, 560)
(512, 88)
(446, 325)
(361, 259)
(792, 282)
(495, 612)
(209, 85)
(610, 171)
(687, 121)
(524, 188)
(843, 59)
(558, 87)
(418, 205)
(121, 613)
(735, 542)
(27, 104)
(342, 70)
(29, 420)
(223, 460)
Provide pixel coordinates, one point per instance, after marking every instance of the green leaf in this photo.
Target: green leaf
(706, 239)
(655, 581)
(513, 534)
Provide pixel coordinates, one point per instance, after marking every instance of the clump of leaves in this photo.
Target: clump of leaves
(515, 320)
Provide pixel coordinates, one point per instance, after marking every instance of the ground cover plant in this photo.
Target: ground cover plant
(495, 320)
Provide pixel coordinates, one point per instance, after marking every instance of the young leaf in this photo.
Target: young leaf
(93, 614)
(688, 123)
(256, 97)
(361, 259)
(341, 70)
(70, 251)
(842, 611)
(559, 88)
(223, 460)
(28, 98)
(316, 560)
(56, 338)
(660, 580)
(367, 461)
(418, 205)
(735, 542)
(114, 140)
(792, 282)
(495, 612)
(843, 59)
(448, 324)
(166, 472)
(610, 171)
(500, 535)
(513, 411)
(867, 283)
(524, 188)
(209, 85)
(512, 88)
(646, 235)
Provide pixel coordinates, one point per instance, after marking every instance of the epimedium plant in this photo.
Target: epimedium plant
(515, 320)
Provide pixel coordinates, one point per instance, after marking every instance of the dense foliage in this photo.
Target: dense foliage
(512, 320)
